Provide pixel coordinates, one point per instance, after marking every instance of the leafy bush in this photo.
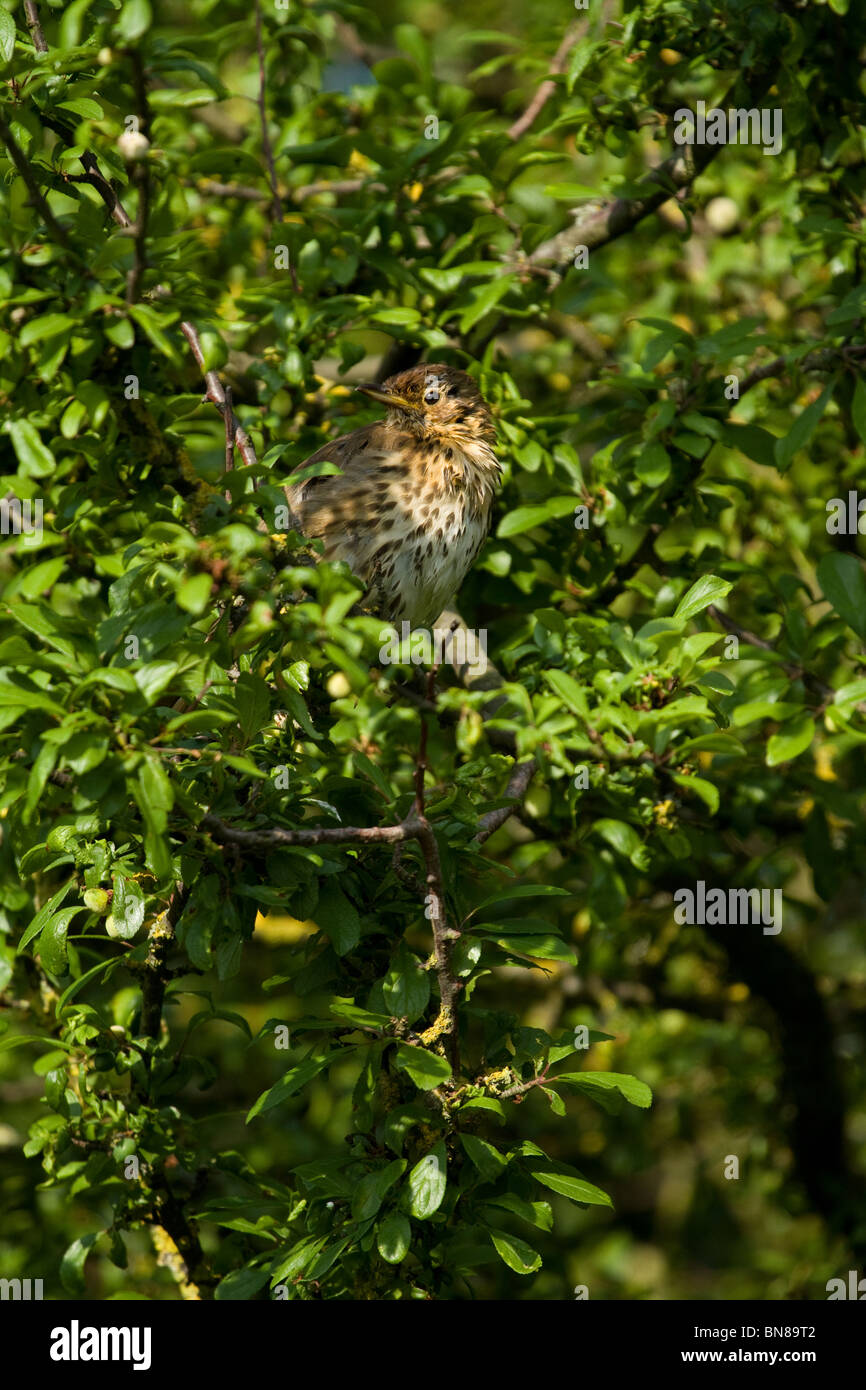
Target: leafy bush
(204, 755)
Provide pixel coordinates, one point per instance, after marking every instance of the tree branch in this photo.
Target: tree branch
(263, 115)
(155, 975)
(518, 785)
(822, 360)
(19, 159)
(217, 396)
(35, 26)
(267, 148)
(791, 668)
(547, 88)
(605, 219)
(274, 836)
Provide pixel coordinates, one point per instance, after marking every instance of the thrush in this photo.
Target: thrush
(412, 504)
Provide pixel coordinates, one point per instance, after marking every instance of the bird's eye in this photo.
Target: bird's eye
(431, 395)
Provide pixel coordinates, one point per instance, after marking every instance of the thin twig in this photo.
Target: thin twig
(232, 190)
(141, 179)
(266, 140)
(444, 938)
(547, 88)
(751, 639)
(822, 360)
(518, 785)
(19, 159)
(336, 186)
(217, 396)
(99, 182)
(35, 26)
(231, 431)
(263, 116)
(275, 836)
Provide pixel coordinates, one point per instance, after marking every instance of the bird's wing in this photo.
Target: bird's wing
(342, 503)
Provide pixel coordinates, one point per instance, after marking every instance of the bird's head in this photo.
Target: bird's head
(433, 400)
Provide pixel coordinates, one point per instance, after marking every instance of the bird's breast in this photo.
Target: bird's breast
(408, 515)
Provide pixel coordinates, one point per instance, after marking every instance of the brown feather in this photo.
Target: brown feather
(411, 506)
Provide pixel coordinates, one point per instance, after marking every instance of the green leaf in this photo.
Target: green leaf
(254, 703)
(803, 428)
(127, 906)
(44, 327)
(791, 741)
(135, 19)
(72, 1263)
(850, 694)
(844, 586)
(426, 1183)
(7, 36)
(338, 919)
(707, 791)
(43, 916)
(527, 518)
(35, 459)
(156, 788)
(634, 1091)
(193, 593)
(427, 1069)
(52, 942)
(294, 1080)
(487, 1103)
(516, 1253)
(486, 1158)
(521, 890)
(393, 1237)
(21, 1040)
(654, 464)
(396, 316)
(538, 947)
(570, 691)
(241, 1284)
(764, 709)
(619, 835)
(77, 985)
(373, 1188)
(297, 1259)
(709, 589)
(406, 987)
(145, 315)
(576, 1189)
(484, 298)
(84, 106)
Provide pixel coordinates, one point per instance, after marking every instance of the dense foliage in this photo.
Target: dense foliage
(313, 1068)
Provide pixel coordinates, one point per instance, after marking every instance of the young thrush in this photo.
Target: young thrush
(411, 506)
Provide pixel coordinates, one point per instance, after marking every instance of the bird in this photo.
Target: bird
(413, 501)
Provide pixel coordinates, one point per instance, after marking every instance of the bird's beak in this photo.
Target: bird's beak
(378, 393)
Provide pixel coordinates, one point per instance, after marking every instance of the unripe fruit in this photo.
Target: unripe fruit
(96, 899)
(537, 802)
(104, 57)
(722, 214)
(670, 57)
(112, 928)
(133, 145)
(338, 687)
